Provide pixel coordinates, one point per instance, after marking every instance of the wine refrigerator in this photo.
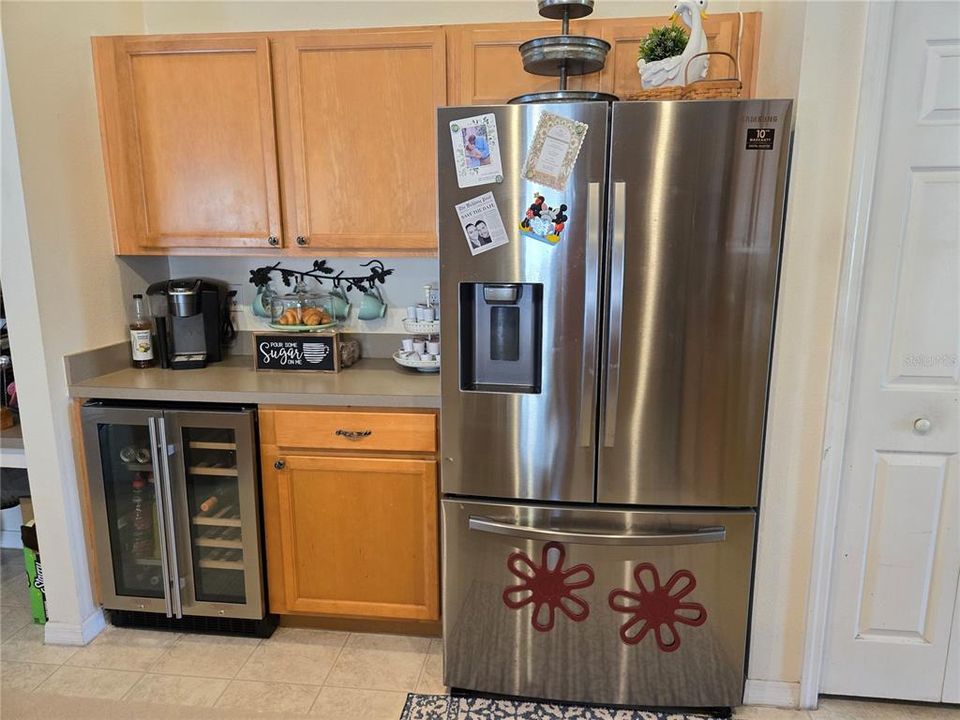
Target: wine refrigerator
(176, 511)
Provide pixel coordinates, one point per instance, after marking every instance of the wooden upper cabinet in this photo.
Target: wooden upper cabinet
(189, 142)
(486, 68)
(357, 118)
(735, 33)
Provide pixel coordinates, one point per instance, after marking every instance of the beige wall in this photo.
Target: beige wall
(62, 284)
(833, 39)
(808, 50)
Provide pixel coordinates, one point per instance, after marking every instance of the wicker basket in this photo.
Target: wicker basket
(718, 89)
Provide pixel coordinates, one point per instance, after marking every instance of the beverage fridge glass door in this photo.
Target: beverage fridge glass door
(127, 507)
(214, 481)
(596, 605)
(695, 206)
(519, 323)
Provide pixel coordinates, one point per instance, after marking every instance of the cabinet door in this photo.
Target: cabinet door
(486, 68)
(357, 118)
(356, 536)
(735, 33)
(189, 142)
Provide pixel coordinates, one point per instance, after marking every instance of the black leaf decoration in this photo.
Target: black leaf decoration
(322, 273)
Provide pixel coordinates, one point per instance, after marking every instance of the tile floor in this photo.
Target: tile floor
(297, 672)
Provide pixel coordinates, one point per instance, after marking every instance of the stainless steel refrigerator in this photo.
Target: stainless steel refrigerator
(604, 399)
(175, 502)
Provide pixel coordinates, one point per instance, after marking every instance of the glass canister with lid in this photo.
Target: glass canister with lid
(299, 308)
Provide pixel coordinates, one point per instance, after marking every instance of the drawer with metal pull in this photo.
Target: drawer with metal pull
(355, 430)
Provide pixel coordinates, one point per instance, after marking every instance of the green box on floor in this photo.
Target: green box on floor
(31, 559)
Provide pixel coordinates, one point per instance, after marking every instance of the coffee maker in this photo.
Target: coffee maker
(192, 318)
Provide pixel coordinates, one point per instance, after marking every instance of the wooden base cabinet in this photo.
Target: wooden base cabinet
(349, 535)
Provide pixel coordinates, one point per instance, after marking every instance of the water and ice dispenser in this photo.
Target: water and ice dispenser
(501, 337)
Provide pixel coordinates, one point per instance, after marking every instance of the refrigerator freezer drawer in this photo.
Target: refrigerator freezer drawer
(596, 605)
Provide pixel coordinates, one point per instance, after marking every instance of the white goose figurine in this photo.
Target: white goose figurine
(669, 71)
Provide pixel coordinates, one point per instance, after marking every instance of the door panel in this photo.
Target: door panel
(358, 112)
(536, 443)
(129, 530)
(897, 559)
(357, 536)
(591, 605)
(189, 141)
(694, 230)
(215, 484)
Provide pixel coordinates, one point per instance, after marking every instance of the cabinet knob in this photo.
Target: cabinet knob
(273, 240)
(301, 241)
(922, 426)
(279, 464)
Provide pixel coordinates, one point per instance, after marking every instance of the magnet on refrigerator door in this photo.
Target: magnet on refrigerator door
(481, 223)
(476, 150)
(554, 150)
(543, 222)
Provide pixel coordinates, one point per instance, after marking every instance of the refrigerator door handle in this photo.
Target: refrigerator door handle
(156, 450)
(591, 298)
(665, 537)
(164, 479)
(616, 314)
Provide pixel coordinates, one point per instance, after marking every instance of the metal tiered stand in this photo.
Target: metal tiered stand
(564, 55)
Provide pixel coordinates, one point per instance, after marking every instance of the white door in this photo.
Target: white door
(895, 572)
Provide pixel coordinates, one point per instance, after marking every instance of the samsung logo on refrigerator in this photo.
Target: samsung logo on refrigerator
(762, 118)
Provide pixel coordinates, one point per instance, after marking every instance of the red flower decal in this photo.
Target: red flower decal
(657, 607)
(548, 586)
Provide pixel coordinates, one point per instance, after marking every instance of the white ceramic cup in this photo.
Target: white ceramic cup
(428, 314)
(407, 344)
(412, 312)
(419, 347)
(433, 347)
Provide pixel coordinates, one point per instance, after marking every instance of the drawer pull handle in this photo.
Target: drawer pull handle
(354, 434)
(279, 464)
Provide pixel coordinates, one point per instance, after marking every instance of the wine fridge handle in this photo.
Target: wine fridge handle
(165, 480)
(157, 451)
(577, 537)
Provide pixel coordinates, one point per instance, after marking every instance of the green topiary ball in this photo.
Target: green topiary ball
(663, 42)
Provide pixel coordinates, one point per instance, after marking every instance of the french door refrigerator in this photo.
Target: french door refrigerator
(603, 402)
(176, 511)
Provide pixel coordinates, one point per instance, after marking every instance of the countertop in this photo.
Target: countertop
(371, 382)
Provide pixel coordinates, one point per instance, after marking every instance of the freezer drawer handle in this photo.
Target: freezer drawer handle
(354, 434)
(667, 537)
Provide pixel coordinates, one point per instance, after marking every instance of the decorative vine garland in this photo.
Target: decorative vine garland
(322, 272)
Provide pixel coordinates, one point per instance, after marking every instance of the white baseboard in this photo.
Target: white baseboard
(58, 633)
(772, 692)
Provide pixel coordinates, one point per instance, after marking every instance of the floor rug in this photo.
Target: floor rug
(447, 707)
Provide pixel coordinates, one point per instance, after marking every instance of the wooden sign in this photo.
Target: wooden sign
(296, 351)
